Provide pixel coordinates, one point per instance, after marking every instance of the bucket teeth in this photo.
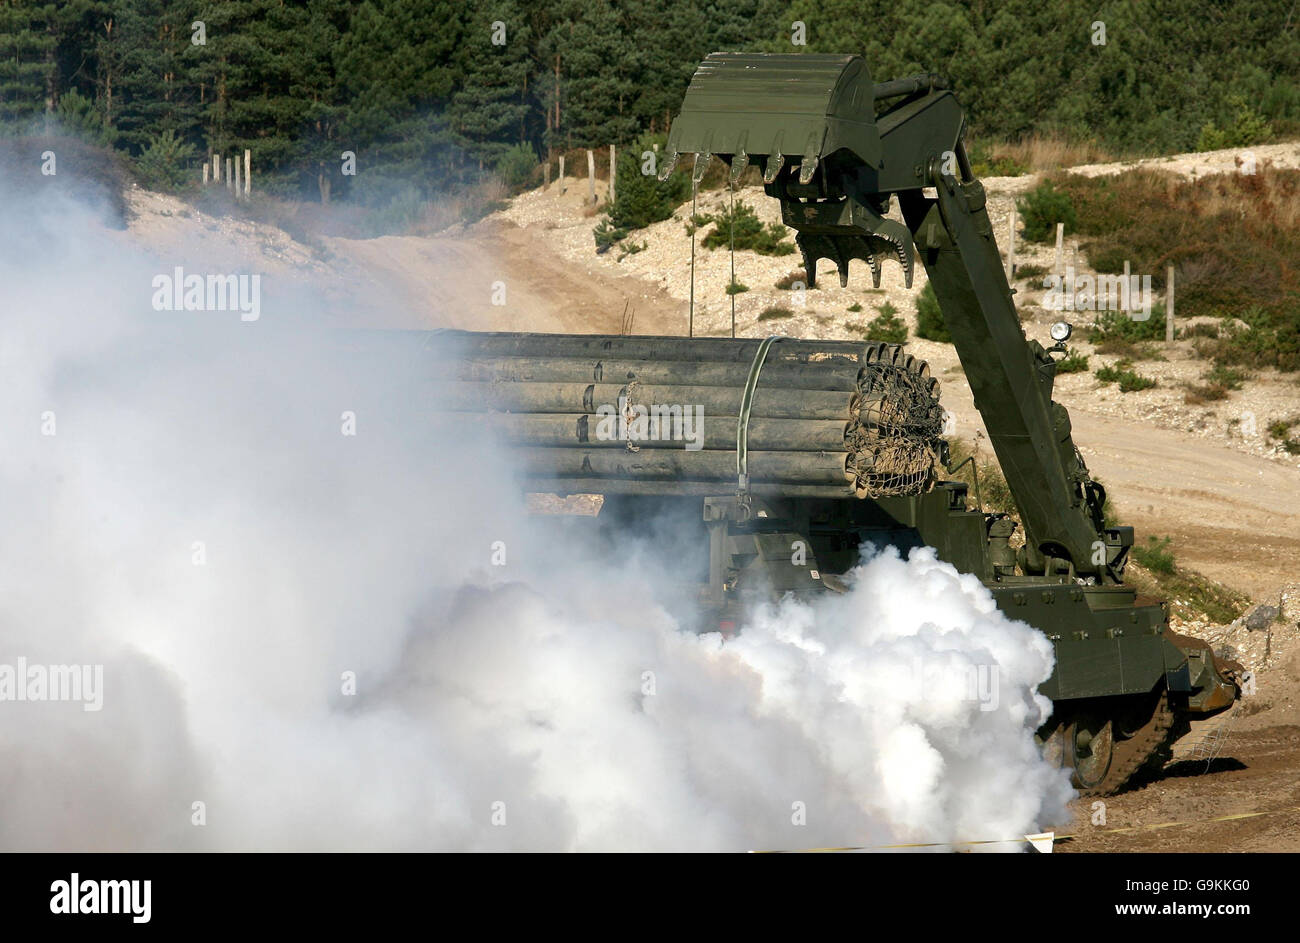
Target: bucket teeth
(670, 162)
(808, 168)
(738, 165)
(840, 250)
(773, 167)
(891, 237)
(874, 261)
(841, 231)
(701, 165)
(809, 267)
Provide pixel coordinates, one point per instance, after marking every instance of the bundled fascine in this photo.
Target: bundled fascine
(616, 414)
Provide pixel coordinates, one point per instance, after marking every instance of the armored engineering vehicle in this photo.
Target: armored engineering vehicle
(834, 445)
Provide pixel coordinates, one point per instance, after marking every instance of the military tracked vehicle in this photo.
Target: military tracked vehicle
(833, 446)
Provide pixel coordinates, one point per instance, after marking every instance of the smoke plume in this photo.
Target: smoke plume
(325, 623)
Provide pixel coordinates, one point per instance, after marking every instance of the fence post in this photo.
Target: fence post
(206, 171)
(216, 168)
(560, 180)
(239, 189)
(546, 175)
(1169, 305)
(1074, 269)
(248, 171)
(1011, 246)
(1060, 248)
(229, 185)
(591, 176)
(612, 174)
(1126, 292)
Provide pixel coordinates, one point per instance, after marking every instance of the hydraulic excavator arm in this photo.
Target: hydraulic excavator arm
(835, 151)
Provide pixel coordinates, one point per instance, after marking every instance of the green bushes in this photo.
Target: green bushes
(517, 165)
(1155, 556)
(164, 163)
(642, 198)
(1042, 208)
(750, 233)
(1118, 333)
(929, 318)
(1246, 127)
(1128, 381)
(1072, 362)
(887, 327)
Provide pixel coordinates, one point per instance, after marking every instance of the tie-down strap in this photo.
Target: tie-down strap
(742, 421)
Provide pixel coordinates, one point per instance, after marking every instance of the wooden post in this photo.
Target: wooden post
(1060, 248)
(612, 174)
(239, 189)
(1169, 305)
(546, 175)
(1011, 246)
(216, 168)
(591, 176)
(560, 180)
(228, 183)
(206, 171)
(248, 171)
(1074, 267)
(1125, 292)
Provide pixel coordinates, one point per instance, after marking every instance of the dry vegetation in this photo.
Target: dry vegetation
(1233, 239)
(1035, 153)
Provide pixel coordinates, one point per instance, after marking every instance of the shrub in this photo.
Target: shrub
(1155, 556)
(775, 313)
(517, 165)
(929, 318)
(642, 199)
(1072, 362)
(607, 236)
(1128, 381)
(164, 163)
(1042, 208)
(750, 233)
(1227, 377)
(787, 281)
(887, 326)
(1199, 330)
(985, 163)
(735, 288)
(1120, 325)
(1208, 393)
(1246, 127)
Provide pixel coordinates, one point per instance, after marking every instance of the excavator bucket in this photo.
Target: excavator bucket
(809, 122)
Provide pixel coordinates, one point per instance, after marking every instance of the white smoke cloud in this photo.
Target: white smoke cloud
(199, 525)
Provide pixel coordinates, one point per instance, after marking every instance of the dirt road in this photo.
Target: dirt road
(499, 277)
(1255, 773)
